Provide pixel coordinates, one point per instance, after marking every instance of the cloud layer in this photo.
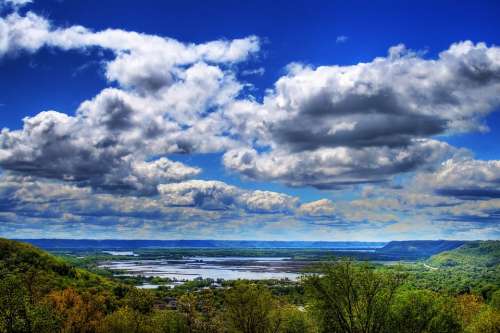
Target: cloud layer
(343, 128)
(325, 127)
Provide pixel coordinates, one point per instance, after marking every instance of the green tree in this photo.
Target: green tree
(168, 321)
(495, 300)
(134, 316)
(423, 311)
(124, 320)
(13, 305)
(211, 320)
(488, 321)
(295, 320)
(187, 306)
(139, 300)
(249, 309)
(351, 298)
(43, 319)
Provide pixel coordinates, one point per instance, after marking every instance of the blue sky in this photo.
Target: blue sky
(293, 136)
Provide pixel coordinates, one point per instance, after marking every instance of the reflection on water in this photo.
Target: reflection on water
(227, 268)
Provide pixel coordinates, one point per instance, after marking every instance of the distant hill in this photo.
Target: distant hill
(53, 244)
(419, 248)
(477, 253)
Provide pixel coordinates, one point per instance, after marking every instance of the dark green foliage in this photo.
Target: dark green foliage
(249, 309)
(352, 298)
(472, 268)
(495, 300)
(22, 256)
(19, 313)
(420, 311)
(139, 300)
(13, 305)
(38, 268)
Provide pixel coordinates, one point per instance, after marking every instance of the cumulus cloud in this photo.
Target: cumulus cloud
(166, 103)
(268, 202)
(38, 198)
(199, 193)
(350, 213)
(335, 167)
(318, 208)
(99, 151)
(323, 127)
(465, 178)
(389, 101)
(31, 32)
(334, 125)
(22, 33)
(218, 195)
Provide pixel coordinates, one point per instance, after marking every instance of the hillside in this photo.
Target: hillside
(21, 256)
(32, 263)
(479, 253)
(419, 248)
(473, 267)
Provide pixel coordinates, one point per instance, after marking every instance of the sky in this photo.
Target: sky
(281, 120)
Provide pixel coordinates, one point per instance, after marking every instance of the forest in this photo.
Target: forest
(40, 292)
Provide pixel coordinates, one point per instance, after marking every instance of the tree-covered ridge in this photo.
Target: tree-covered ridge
(478, 253)
(30, 262)
(419, 248)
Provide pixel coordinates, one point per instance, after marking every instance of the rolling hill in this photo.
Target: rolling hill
(477, 253)
(30, 262)
(418, 248)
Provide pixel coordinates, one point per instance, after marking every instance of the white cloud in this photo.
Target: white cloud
(341, 39)
(169, 100)
(268, 202)
(339, 166)
(324, 127)
(318, 208)
(220, 196)
(22, 33)
(16, 4)
(334, 125)
(257, 71)
(466, 178)
(142, 61)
